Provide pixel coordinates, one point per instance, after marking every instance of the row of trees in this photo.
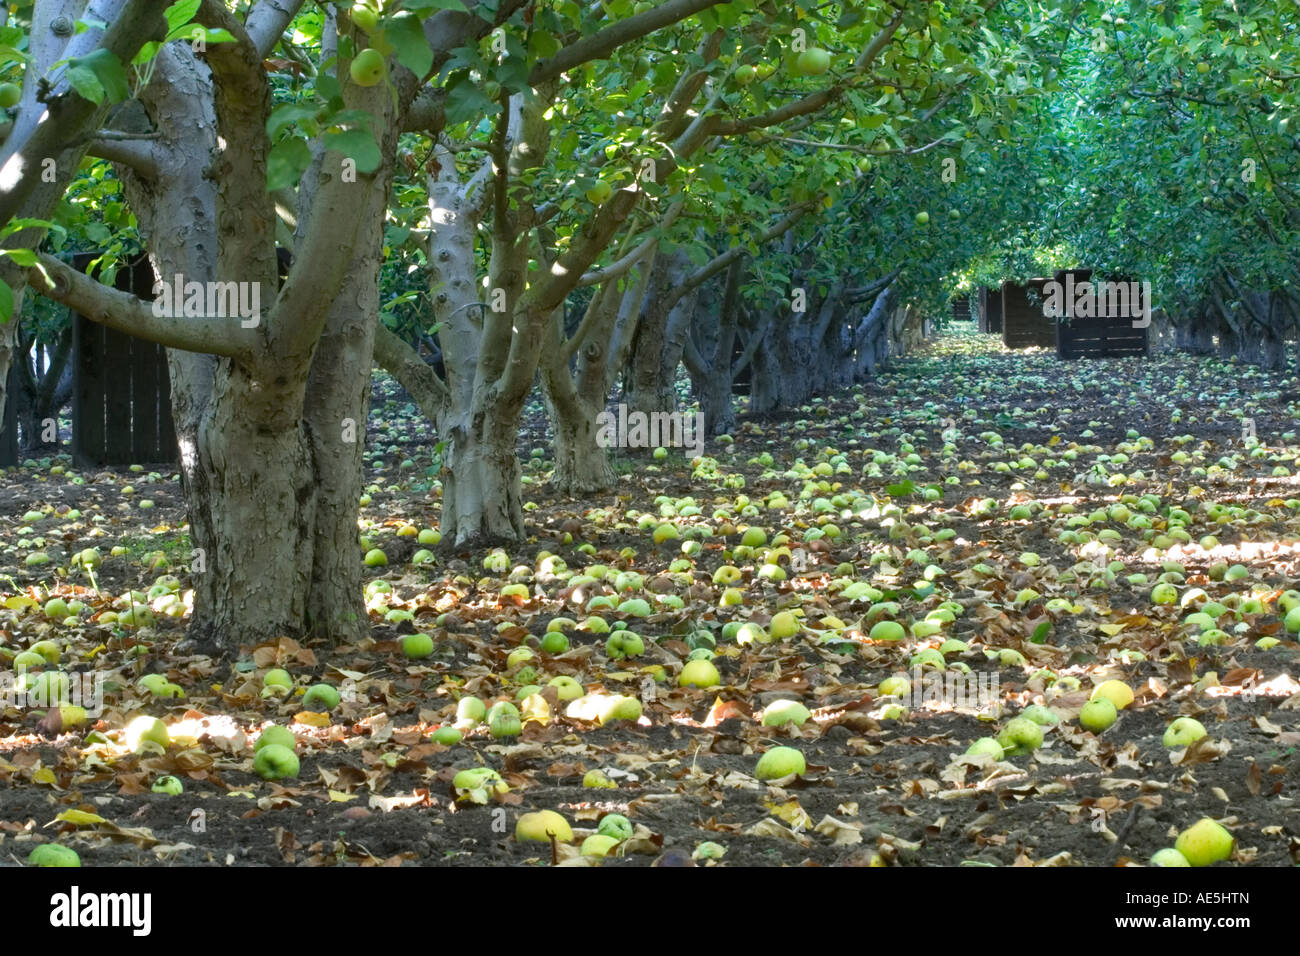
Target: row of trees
(578, 197)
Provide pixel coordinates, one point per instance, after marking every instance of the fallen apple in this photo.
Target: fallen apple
(446, 735)
(541, 826)
(1183, 732)
(1204, 842)
(986, 745)
(699, 673)
(1020, 736)
(785, 712)
(169, 785)
(1116, 691)
(598, 845)
(1098, 714)
(887, 631)
(505, 725)
(417, 645)
(1041, 715)
(276, 734)
(780, 762)
(615, 825)
(275, 761)
(598, 780)
(146, 733)
(470, 710)
(322, 695)
(53, 854)
(1168, 857)
(566, 688)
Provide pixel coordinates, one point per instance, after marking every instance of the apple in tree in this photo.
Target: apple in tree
(367, 70)
(10, 95)
(922, 218)
(600, 192)
(813, 61)
(745, 74)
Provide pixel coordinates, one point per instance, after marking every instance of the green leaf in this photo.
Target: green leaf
(21, 257)
(358, 145)
(180, 13)
(406, 33)
(466, 102)
(99, 77)
(6, 301)
(286, 163)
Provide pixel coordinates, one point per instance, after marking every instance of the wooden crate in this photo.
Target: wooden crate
(1023, 323)
(961, 308)
(9, 422)
(1098, 336)
(990, 311)
(121, 395)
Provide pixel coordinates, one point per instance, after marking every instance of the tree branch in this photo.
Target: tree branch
(124, 312)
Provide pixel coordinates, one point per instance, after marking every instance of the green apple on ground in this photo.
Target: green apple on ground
(277, 677)
(1183, 732)
(598, 780)
(615, 825)
(541, 826)
(566, 688)
(1205, 842)
(887, 631)
(52, 854)
(1098, 714)
(1168, 857)
(699, 674)
(275, 762)
(276, 734)
(146, 733)
(169, 785)
(986, 745)
(1020, 736)
(1116, 691)
(470, 710)
(785, 712)
(895, 686)
(417, 645)
(321, 695)
(780, 762)
(446, 735)
(598, 845)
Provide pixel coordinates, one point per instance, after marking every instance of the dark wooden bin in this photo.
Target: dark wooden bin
(1023, 323)
(121, 396)
(990, 311)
